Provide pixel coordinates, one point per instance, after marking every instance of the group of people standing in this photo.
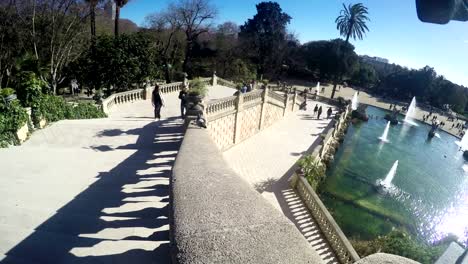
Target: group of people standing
(158, 102)
(318, 111)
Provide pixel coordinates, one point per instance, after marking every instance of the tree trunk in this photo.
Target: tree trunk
(117, 17)
(186, 64)
(92, 10)
(166, 71)
(340, 72)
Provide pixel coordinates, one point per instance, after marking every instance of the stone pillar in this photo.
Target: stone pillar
(214, 80)
(186, 82)
(238, 123)
(294, 100)
(264, 106)
(147, 91)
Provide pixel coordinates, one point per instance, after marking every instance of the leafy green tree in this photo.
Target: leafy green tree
(264, 37)
(366, 76)
(54, 32)
(351, 23)
(330, 58)
(118, 63)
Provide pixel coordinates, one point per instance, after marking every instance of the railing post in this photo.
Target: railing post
(237, 124)
(294, 100)
(186, 82)
(263, 109)
(147, 91)
(214, 80)
(286, 103)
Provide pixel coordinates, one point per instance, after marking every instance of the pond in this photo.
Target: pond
(431, 182)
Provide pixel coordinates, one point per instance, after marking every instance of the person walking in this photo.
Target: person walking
(319, 112)
(329, 112)
(157, 101)
(316, 109)
(183, 102)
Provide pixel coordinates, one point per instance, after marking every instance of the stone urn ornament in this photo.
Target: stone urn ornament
(195, 95)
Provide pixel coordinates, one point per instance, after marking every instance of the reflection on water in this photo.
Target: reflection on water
(432, 182)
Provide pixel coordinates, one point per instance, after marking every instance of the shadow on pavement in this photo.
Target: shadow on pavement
(122, 217)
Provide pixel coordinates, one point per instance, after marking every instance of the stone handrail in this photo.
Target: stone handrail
(226, 83)
(171, 87)
(207, 81)
(335, 237)
(276, 96)
(221, 105)
(121, 98)
(253, 97)
(216, 217)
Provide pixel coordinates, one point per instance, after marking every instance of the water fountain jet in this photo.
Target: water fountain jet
(384, 137)
(410, 113)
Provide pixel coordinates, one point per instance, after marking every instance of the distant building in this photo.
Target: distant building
(374, 59)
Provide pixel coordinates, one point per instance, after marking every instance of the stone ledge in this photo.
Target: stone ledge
(217, 217)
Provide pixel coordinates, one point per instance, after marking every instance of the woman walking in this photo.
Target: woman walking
(158, 102)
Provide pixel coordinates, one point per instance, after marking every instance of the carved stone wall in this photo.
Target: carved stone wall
(250, 121)
(222, 131)
(236, 118)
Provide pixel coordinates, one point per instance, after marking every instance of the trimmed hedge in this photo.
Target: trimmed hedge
(55, 108)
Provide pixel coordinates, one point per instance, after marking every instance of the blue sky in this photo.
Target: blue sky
(395, 31)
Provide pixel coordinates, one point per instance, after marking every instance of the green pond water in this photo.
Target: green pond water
(431, 200)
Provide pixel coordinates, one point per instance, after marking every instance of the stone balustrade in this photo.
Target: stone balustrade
(171, 87)
(224, 105)
(121, 98)
(254, 97)
(236, 118)
(226, 83)
(335, 237)
(141, 94)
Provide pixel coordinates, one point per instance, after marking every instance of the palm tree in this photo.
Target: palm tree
(92, 12)
(118, 4)
(351, 23)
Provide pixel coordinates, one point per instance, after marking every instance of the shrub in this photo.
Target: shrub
(86, 111)
(29, 88)
(313, 170)
(197, 87)
(5, 92)
(12, 117)
(55, 108)
(400, 243)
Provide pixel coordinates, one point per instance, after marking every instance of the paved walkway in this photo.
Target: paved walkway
(92, 191)
(267, 161)
(348, 93)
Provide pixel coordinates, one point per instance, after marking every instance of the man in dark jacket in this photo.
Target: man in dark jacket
(183, 102)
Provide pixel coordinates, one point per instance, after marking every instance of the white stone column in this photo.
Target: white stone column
(214, 80)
